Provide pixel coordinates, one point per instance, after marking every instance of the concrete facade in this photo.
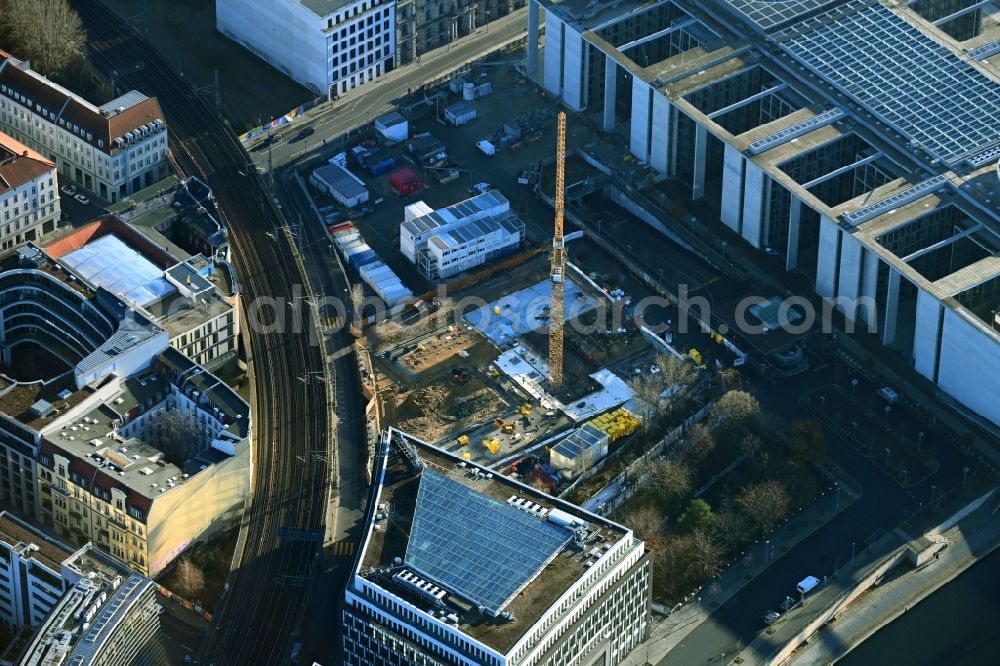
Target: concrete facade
(329, 46)
(899, 234)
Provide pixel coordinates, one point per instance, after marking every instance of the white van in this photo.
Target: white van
(807, 584)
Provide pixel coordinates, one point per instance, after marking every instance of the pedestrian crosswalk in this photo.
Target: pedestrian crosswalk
(343, 548)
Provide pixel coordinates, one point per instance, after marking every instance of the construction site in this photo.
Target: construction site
(510, 377)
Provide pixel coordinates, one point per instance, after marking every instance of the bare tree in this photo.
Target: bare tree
(49, 33)
(730, 528)
(750, 445)
(646, 388)
(706, 553)
(675, 371)
(765, 504)
(806, 441)
(647, 523)
(177, 434)
(734, 406)
(729, 377)
(668, 479)
(190, 579)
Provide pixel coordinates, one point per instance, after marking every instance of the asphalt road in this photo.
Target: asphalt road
(370, 101)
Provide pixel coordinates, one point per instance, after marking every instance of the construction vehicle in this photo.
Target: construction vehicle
(525, 409)
(507, 428)
(460, 375)
(492, 445)
(498, 422)
(493, 371)
(463, 440)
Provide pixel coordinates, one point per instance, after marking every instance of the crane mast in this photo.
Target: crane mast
(557, 274)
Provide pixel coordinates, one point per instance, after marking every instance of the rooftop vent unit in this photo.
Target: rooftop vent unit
(419, 585)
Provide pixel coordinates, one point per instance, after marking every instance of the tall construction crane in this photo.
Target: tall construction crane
(557, 274)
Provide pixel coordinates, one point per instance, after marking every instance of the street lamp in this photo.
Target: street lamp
(822, 404)
(854, 434)
(933, 492)
(852, 553)
(628, 247)
(887, 457)
(888, 408)
(854, 386)
(767, 550)
(724, 243)
(965, 475)
(920, 440)
(837, 486)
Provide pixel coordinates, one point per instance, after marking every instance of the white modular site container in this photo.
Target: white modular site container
(393, 127)
(415, 210)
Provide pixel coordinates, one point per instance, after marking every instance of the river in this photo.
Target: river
(957, 625)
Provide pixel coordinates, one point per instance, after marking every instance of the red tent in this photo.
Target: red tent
(406, 182)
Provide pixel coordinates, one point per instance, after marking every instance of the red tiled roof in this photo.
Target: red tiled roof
(19, 164)
(61, 105)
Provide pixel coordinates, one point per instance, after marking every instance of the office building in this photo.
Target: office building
(329, 46)
(109, 151)
(459, 565)
(854, 141)
(29, 194)
(108, 617)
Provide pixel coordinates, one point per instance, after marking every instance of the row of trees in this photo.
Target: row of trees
(690, 538)
(49, 33)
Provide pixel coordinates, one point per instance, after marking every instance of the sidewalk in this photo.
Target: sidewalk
(668, 632)
(888, 601)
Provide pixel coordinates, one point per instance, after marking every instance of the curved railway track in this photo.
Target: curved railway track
(291, 421)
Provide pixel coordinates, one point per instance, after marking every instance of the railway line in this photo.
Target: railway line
(292, 420)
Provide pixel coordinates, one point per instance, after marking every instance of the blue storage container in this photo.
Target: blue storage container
(382, 166)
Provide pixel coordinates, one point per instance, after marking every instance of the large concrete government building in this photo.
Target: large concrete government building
(854, 140)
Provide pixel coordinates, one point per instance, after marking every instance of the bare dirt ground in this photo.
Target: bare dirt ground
(434, 411)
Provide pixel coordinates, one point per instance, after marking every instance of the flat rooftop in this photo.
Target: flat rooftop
(454, 525)
(20, 535)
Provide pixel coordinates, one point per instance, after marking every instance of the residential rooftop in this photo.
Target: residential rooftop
(19, 164)
(24, 538)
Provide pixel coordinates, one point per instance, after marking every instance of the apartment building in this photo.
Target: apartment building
(424, 25)
(109, 151)
(329, 46)
(462, 566)
(136, 448)
(33, 573)
(29, 196)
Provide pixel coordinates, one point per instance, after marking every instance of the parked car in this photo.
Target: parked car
(82, 199)
(771, 617)
(68, 190)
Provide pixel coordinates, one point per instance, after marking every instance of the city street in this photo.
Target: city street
(365, 103)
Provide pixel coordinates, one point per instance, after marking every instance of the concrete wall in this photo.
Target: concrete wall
(732, 188)
(659, 148)
(849, 284)
(639, 141)
(269, 27)
(574, 66)
(209, 500)
(925, 338)
(827, 257)
(969, 364)
(552, 69)
(753, 203)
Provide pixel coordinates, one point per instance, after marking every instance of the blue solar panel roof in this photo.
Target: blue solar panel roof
(476, 546)
(937, 100)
